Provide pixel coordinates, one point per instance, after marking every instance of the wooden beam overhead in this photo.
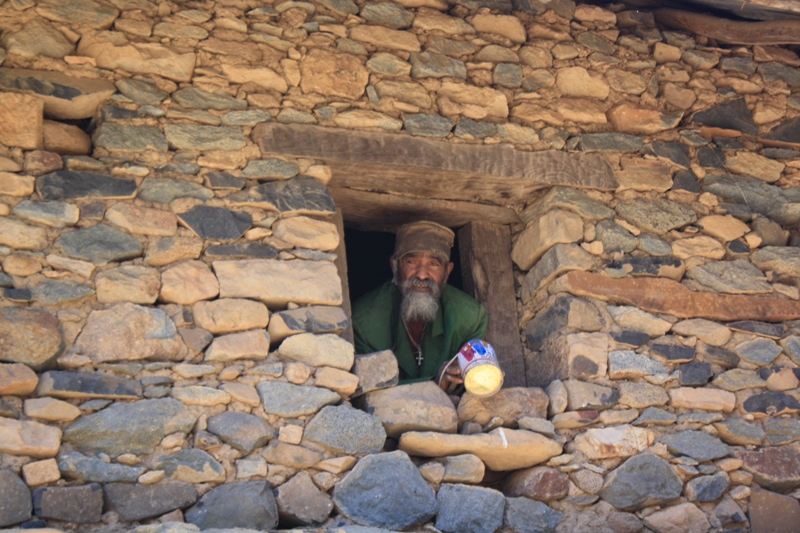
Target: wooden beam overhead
(732, 31)
(435, 169)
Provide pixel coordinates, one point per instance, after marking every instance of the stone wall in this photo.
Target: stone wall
(171, 307)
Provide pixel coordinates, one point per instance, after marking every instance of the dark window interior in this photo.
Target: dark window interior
(368, 255)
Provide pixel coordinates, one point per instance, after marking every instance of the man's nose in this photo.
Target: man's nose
(422, 272)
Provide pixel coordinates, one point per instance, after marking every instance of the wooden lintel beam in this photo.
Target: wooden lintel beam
(732, 31)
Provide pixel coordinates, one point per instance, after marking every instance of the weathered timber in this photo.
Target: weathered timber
(755, 9)
(427, 168)
(732, 31)
(372, 211)
(661, 295)
(341, 266)
(488, 275)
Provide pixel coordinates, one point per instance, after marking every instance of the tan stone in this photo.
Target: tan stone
(162, 252)
(701, 246)
(385, 37)
(782, 380)
(19, 235)
(30, 438)
(678, 96)
(21, 265)
(464, 468)
(240, 392)
(493, 101)
(336, 380)
(333, 74)
(626, 82)
(557, 260)
(128, 283)
(111, 50)
(579, 82)
(37, 38)
(699, 398)
(228, 315)
(263, 77)
(681, 518)
(336, 465)
(419, 406)
(291, 434)
(666, 53)
(725, 227)
(41, 472)
(142, 28)
(501, 449)
(366, 119)
(535, 57)
(21, 117)
(51, 409)
(253, 344)
(590, 13)
(65, 139)
(82, 268)
(307, 232)
(187, 283)
(17, 379)
(429, 20)
(200, 395)
(531, 112)
(142, 220)
(318, 350)
(629, 317)
(739, 85)
(582, 111)
(297, 373)
(649, 176)
(508, 404)
(16, 185)
(707, 331)
(615, 441)
(556, 226)
(764, 113)
(755, 165)
(276, 283)
(505, 25)
(638, 120)
(405, 91)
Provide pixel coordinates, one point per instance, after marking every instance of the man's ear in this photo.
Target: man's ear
(393, 265)
(449, 269)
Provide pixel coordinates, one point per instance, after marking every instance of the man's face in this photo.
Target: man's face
(421, 277)
(424, 266)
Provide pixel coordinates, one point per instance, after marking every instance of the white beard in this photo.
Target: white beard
(419, 306)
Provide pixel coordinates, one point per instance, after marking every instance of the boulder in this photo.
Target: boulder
(301, 503)
(420, 406)
(641, 481)
(248, 505)
(509, 404)
(343, 429)
(467, 509)
(133, 502)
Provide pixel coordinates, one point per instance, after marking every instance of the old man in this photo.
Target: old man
(417, 315)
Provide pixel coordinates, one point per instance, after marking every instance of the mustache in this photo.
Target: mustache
(417, 283)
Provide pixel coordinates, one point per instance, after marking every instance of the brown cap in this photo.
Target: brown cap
(424, 236)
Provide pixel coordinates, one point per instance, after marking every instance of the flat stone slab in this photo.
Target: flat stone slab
(76, 184)
(412, 407)
(191, 465)
(312, 319)
(287, 400)
(137, 502)
(59, 291)
(696, 444)
(54, 214)
(165, 190)
(243, 431)
(216, 223)
(30, 336)
(733, 115)
(501, 449)
(731, 277)
(192, 97)
(241, 250)
(63, 384)
(99, 244)
(79, 504)
(641, 481)
(773, 467)
(243, 506)
(660, 295)
(345, 430)
(26, 437)
(116, 137)
(296, 196)
(773, 513)
(754, 195)
(656, 216)
(84, 468)
(197, 137)
(763, 329)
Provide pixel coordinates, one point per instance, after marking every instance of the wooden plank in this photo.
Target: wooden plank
(731, 31)
(341, 267)
(371, 211)
(488, 275)
(428, 168)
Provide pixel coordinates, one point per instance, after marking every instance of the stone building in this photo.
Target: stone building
(176, 178)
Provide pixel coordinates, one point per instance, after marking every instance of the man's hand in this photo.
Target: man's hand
(449, 375)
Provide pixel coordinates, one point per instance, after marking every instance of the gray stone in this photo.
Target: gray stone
(698, 445)
(296, 196)
(614, 142)
(270, 168)
(686, 180)
(668, 267)
(763, 329)
(655, 417)
(584, 395)
(781, 430)
(345, 430)
(595, 42)
(427, 125)
(165, 190)
(508, 75)
(674, 152)
(64, 384)
(290, 115)
(194, 98)
(241, 250)
(83, 468)
(472, 129)
(387, 14)
(695, 374)
(615, 238)
(567, 199)
(59, 291)
(433, 65)
(287, 400)
(641, 481)
(54, 214)
(198, 137)
(743, 65)
(99, 244)
(136, 427)
(114, 113)
(375, 371)
(29, 336)
(388, 65)
(755, 195)
(301, 503)
(627, 364)
(141, 92)
(191, 169)
(312, 319)
(731, 277)
(129, 138)
(216, 223)
(419, 406)
(137, 502)
(771, 403)
(711, 157)
(733, 115)
(75, 184)
(788, 131)
(496, 54)
(555, 318)
(738, 432)
(779, 71)
(630, 338)
(248, 505)
(783, 261)
(224, 181)
(191, 466)
(657, 216)
(386, 490)
(16, 498)
(38, 38)
(539, 79)
(243, 431)
(707, 488)
(759, 351)
(523, 515)
(468, 509)
(80, 504)
(250, 117)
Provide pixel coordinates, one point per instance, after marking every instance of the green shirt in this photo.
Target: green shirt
(378, 325)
